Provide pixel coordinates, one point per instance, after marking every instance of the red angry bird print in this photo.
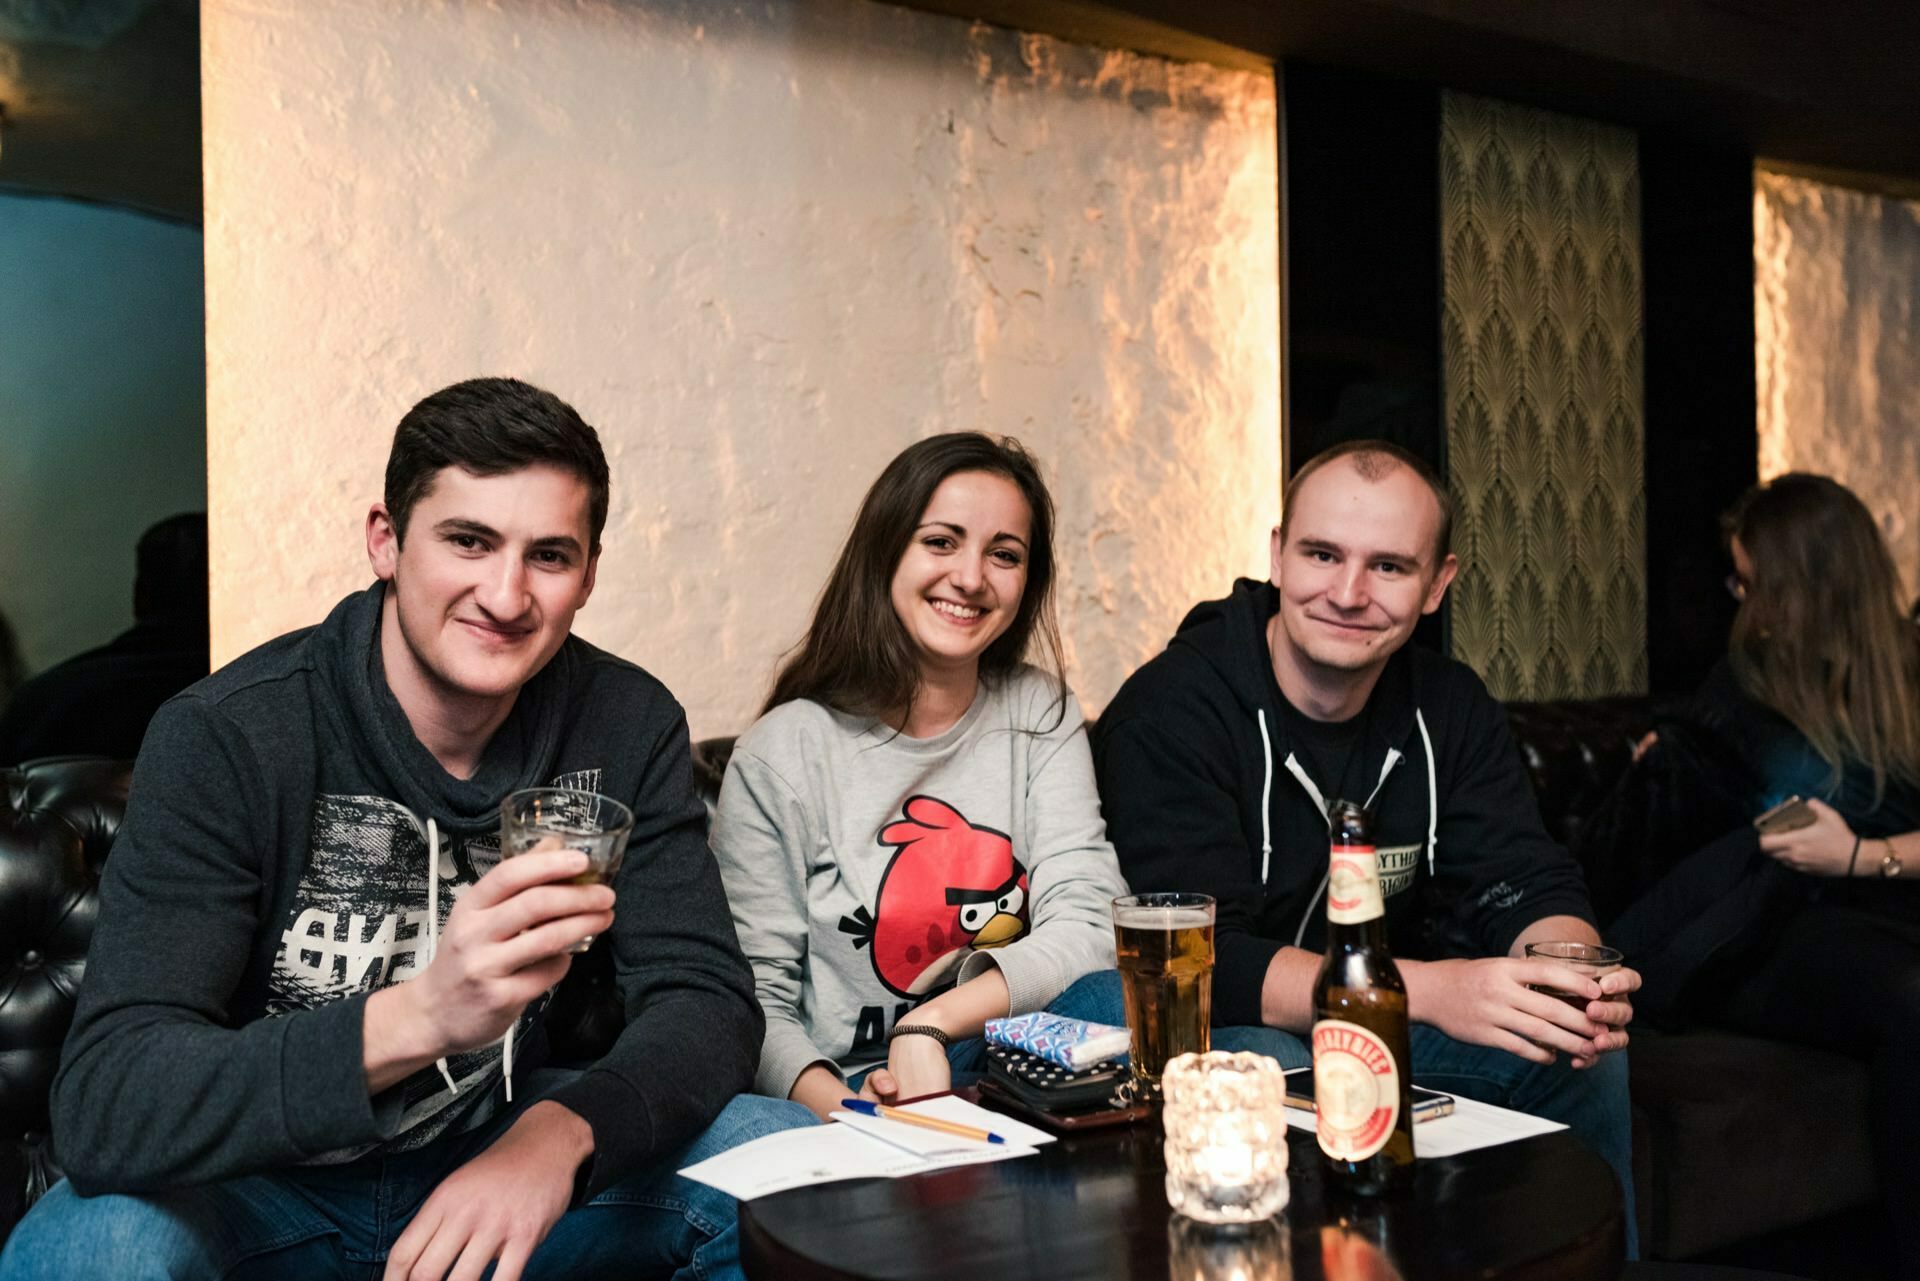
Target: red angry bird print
(950, 888)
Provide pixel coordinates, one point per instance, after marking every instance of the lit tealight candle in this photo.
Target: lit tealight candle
(1226, 1147)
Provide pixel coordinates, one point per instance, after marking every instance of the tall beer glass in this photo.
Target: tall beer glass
(1165, 942)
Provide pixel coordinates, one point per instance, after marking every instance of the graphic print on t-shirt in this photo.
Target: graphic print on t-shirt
(358, 923)
(950, 888)
(359, 918)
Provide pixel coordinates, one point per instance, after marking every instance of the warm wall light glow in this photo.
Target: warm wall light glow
(761, 248)
(1836, 291)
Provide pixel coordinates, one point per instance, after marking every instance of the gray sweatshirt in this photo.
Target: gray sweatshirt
(868, 871)
(276, 868)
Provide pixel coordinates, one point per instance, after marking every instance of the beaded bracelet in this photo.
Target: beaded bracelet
(920, 1029)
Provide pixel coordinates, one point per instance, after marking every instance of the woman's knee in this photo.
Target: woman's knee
(1093, 997)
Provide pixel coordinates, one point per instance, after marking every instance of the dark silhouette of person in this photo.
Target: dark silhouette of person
(12, 670)
(99, 702)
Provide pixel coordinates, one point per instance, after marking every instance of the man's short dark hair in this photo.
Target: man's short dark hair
(488, 427)
(1374, 460)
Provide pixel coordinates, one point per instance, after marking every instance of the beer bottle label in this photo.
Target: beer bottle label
(1356, 1088)
(1353, 886)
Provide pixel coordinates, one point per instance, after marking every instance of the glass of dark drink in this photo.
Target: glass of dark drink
(1588, 960)
(558, 818)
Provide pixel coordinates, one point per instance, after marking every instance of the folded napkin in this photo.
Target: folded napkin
(1072, 1043)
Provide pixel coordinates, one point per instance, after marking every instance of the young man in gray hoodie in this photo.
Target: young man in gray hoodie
(286, 1059)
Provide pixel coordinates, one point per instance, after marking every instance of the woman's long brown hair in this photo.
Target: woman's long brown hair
(856, 656)
(1823, 636)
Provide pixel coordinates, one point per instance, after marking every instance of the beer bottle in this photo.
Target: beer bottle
(1361, 1081)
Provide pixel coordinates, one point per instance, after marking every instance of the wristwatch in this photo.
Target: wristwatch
(1891, 866)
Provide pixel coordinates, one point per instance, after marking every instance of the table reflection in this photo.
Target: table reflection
(1354, 1246)
(1228, 1252)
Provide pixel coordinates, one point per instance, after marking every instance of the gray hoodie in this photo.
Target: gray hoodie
(868, 871)
(290, 847)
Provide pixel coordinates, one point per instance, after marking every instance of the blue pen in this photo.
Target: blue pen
(974, 1132)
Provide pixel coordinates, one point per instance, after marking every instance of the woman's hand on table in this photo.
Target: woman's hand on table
(916, 1065)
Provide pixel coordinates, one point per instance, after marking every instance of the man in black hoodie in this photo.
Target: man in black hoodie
(1217, 760)
(286, 1059)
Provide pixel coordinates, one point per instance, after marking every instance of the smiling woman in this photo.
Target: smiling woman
(958, 589)
(912, 825)
(947, 575)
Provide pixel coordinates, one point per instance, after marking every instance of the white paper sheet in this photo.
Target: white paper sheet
(932, 1149)
(1470, 1125)
(863, 1147)
(796, 1158)
(951, 1107)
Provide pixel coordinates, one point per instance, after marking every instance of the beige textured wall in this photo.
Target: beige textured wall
(761, 247)
(1837, 312)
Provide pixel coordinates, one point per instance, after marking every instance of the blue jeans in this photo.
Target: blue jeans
(339, 1221)
(1592, 1102)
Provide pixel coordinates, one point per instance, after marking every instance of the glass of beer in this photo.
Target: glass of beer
(558, 818)
(1588, 960)
(1165, 942)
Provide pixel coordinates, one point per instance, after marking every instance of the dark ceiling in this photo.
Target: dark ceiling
(110, 115)
(1827, 87)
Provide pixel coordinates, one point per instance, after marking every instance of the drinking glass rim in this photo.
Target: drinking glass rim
(1164, 899)
(598, 798)
(1597, 953)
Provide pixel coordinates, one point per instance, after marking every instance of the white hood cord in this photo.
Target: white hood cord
(1433, 794)
(1300, 776)
(433, 921)
(1299, 773)
(1266, 799)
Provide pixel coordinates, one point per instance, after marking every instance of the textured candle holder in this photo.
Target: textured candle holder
(1226, 1148)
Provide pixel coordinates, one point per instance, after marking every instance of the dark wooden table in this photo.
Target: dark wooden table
(1094, 1206)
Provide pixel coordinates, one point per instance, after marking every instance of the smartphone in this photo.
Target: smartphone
(1427, 1104)
(1789, 815)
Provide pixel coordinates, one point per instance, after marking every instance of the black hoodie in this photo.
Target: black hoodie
(274, 869)
(1195, 739)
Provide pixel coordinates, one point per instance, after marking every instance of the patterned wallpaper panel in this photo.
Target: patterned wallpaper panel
(1541, 351)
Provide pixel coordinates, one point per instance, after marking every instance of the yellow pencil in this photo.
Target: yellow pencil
(974, 1132)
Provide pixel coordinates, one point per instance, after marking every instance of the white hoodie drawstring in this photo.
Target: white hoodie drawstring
(433, 921)
(1266, 797)
(1299, 773)
(1433, 795)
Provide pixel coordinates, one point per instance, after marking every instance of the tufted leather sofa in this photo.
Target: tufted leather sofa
(57, 821)
(1733, 1135)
